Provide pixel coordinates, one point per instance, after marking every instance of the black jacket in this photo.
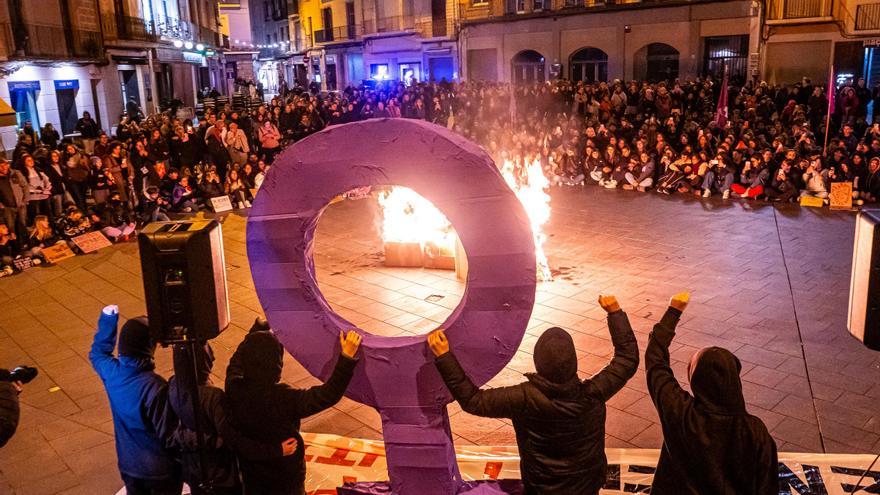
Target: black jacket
(711, 445)
(560, 427)
(221, 439)
(8, 412)
(269, 412)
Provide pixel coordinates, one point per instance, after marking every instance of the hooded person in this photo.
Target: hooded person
(559, 420)
(143, 423)
(221, 440)
(253, 384)
(710, 443)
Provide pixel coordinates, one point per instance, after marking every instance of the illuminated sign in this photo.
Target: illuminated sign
(194, 58)
(72, 84)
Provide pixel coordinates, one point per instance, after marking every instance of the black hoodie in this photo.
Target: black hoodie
(711, 445)
(270, 412)
(559, 420)
(222, 441)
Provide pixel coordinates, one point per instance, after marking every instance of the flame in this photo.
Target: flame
(410, 218)
(530, 186)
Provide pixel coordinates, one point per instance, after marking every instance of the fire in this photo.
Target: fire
(530, 185)
(408, 218)
(411, 219)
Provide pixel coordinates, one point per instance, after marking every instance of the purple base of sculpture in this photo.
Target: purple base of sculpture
(499, 487)
(396, 375)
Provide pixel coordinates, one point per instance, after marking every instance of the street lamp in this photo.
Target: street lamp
(200, 47)
(188, 45)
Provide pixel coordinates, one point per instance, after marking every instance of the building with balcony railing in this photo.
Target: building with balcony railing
(805, 38)
(594, 40)
(51, 64)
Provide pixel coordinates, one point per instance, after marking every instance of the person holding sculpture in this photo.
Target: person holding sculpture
(268, 411)
(559, 419)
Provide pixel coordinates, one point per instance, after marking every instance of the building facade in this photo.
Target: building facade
(52, 65)
(534, 40)
(59, 58)
(804, 38)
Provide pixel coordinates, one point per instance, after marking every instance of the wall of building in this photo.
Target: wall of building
(558, 38)
(108, 96)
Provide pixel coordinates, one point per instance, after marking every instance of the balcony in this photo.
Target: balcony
(26, 40)
(208, 36)
(176, 28)
(338, 33)
(798, 10)
(389, 24)
(127, 28)
(867, 17)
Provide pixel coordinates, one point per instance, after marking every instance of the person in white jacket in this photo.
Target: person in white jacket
(39, 188)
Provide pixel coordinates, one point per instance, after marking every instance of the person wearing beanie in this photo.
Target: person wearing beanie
(143, 423)
(270, 412)
(558, 418)
(222, 442)
(710, 443)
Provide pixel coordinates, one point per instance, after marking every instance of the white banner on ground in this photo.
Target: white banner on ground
(333, 460)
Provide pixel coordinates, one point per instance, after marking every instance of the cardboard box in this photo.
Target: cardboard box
(403, 254)
(438, 258)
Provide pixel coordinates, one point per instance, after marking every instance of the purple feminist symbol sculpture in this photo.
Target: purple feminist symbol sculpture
(396, 375)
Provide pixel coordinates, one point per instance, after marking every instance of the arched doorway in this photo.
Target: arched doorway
(528, 67)
(589, 64)
(658, 62)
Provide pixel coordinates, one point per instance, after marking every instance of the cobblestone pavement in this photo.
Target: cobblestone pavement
(769, 284)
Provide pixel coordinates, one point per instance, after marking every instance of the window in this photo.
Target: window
(538, 5)
(379, 72)
(480, 3)
(868, 16)
(520, 6)
(572, 3)
(267, 10)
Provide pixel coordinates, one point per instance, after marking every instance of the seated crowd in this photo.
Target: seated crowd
(640, 136)
(251, 441)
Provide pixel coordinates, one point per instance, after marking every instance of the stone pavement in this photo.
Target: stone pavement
(769, 284)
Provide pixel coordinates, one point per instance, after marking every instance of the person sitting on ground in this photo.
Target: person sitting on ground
(237, 190)
(718, 178)
(559, 420)
(143, 423)
(73, 223)
(753, 177)
(115, 219)
(711, 444)
(222, 441)
(42, 235)
(253, 384)
(7, 251)
(153, 208)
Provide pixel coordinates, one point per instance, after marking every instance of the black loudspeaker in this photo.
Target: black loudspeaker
(864, 292)
(184, 280)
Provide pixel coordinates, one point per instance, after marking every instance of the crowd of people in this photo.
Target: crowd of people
(638, 135)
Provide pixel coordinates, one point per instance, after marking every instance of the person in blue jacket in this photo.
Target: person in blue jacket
(143, 422)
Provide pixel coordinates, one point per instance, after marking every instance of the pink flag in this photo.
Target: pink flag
(832, 92)
(721, 111)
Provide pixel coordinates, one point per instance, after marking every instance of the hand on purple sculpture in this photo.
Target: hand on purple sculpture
(288, 447)
(609, 303)
(438, 342)
(350, 343)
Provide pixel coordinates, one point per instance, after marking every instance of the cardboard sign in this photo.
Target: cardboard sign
(23, 263)
(91, 242)
(58, 252)
(841, 195)
(221, 204)
(812, 201)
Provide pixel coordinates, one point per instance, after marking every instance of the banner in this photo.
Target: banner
(333, 460)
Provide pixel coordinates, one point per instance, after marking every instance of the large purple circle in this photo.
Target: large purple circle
(462, 181)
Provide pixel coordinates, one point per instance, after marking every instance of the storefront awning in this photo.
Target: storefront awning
(7, 114)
